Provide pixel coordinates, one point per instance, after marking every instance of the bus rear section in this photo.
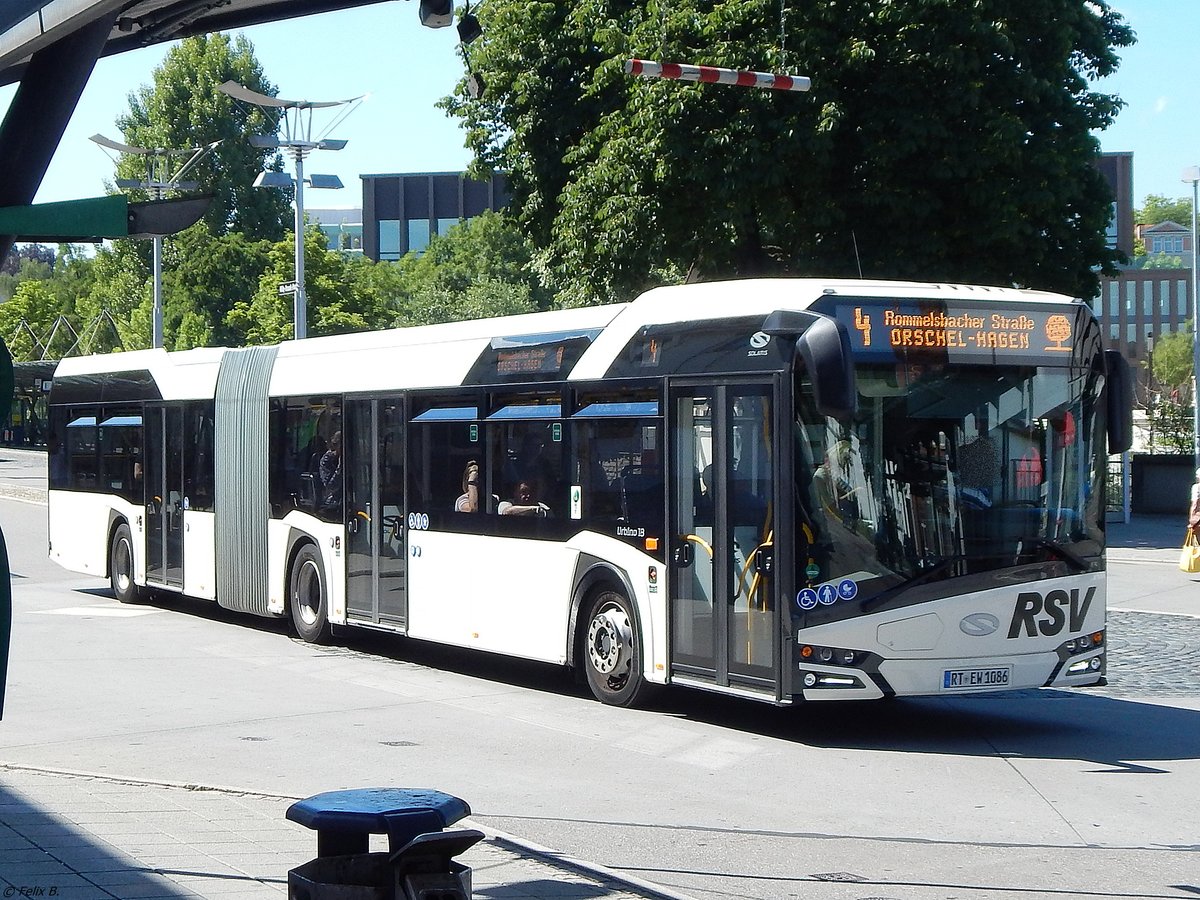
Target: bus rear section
(949, 534)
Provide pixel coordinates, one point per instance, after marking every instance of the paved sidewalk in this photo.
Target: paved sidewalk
(74, 836)
(1146, 536)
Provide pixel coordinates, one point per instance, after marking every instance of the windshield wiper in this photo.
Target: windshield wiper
(935, 568)
(1078, 563)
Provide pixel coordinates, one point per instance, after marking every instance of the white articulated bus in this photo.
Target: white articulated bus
(782, 489)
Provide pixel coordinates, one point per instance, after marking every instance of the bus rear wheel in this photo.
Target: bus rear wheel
(307, 596)
(612, 654)
(120, 566)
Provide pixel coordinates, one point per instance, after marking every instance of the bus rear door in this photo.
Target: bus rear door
(164, 495)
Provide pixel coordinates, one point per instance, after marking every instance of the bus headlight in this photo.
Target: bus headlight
(1081, 644)
(830, 656)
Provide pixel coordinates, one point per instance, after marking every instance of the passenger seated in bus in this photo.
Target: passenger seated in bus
(331, 471)
(468, 501)
(524, 503)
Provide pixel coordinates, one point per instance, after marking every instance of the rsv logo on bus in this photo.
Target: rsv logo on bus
(1056, 606)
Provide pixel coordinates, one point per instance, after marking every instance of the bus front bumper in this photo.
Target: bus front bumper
(878, 677)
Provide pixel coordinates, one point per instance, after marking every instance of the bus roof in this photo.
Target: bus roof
(446, 355)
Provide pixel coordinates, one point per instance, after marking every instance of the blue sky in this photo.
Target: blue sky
(383, 51)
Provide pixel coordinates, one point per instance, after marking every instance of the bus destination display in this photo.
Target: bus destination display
(918, 329)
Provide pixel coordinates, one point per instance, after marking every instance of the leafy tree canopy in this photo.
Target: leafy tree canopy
(204, 276)
(115, 311)
(1157, 209)
(1162, 261)
(1171, 360)
(28, 318)
(20, 253)
(941, 139)
(183, 108)
(337, 301)
(488, 247)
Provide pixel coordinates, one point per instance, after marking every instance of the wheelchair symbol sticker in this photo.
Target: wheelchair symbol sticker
(807, 599)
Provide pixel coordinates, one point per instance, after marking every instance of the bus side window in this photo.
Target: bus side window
(527, 469)
(443, 442)
(618, 472)
(83, 452)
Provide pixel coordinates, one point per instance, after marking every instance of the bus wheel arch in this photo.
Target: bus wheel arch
(308, 593)
(120, 563)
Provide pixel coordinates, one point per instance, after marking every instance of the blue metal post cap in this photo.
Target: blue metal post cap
(391, 811)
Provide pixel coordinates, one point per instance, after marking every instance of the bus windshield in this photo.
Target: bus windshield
(950, 471)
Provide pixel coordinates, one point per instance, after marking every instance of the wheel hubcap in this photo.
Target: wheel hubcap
(308, 592)
(122, 566)
(610, 641)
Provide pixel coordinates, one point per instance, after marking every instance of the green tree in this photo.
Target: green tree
(1170, 419)
(482, 299)
(1171, 359)
(941, 139)
(1163, 261)
(115, 313)
(487, 248)
(31, 312)
(1157, 209)
(338, 302)
(183, 108)
(204, 276)
(73, 274)
(1169, 408)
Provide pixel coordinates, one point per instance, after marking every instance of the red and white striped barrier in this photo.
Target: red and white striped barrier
(713, 75)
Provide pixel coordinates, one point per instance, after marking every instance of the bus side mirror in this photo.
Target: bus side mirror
(824, 346)
(1120, 402)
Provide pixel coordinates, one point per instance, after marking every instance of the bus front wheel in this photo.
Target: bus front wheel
(120, 566)
(308, 598)
(612, 654)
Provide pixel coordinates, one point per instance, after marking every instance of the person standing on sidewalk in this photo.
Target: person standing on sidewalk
(1194, 508)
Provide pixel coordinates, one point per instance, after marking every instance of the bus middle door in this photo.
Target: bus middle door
(376, 571)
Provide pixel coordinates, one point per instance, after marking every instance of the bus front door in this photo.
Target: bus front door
(373, 441)
(723, 593)
(163, 477)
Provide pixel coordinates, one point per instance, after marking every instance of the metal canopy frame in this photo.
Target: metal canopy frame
(51, 46)
(28, 26)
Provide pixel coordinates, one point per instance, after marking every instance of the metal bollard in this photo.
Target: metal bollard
(419, 863)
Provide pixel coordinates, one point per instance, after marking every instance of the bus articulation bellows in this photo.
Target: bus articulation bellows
(781, 489)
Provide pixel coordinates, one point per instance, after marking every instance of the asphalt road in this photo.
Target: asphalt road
(1030, 795)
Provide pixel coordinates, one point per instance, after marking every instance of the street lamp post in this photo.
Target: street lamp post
(294, 117)
(1192, 175)
(158, 184)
